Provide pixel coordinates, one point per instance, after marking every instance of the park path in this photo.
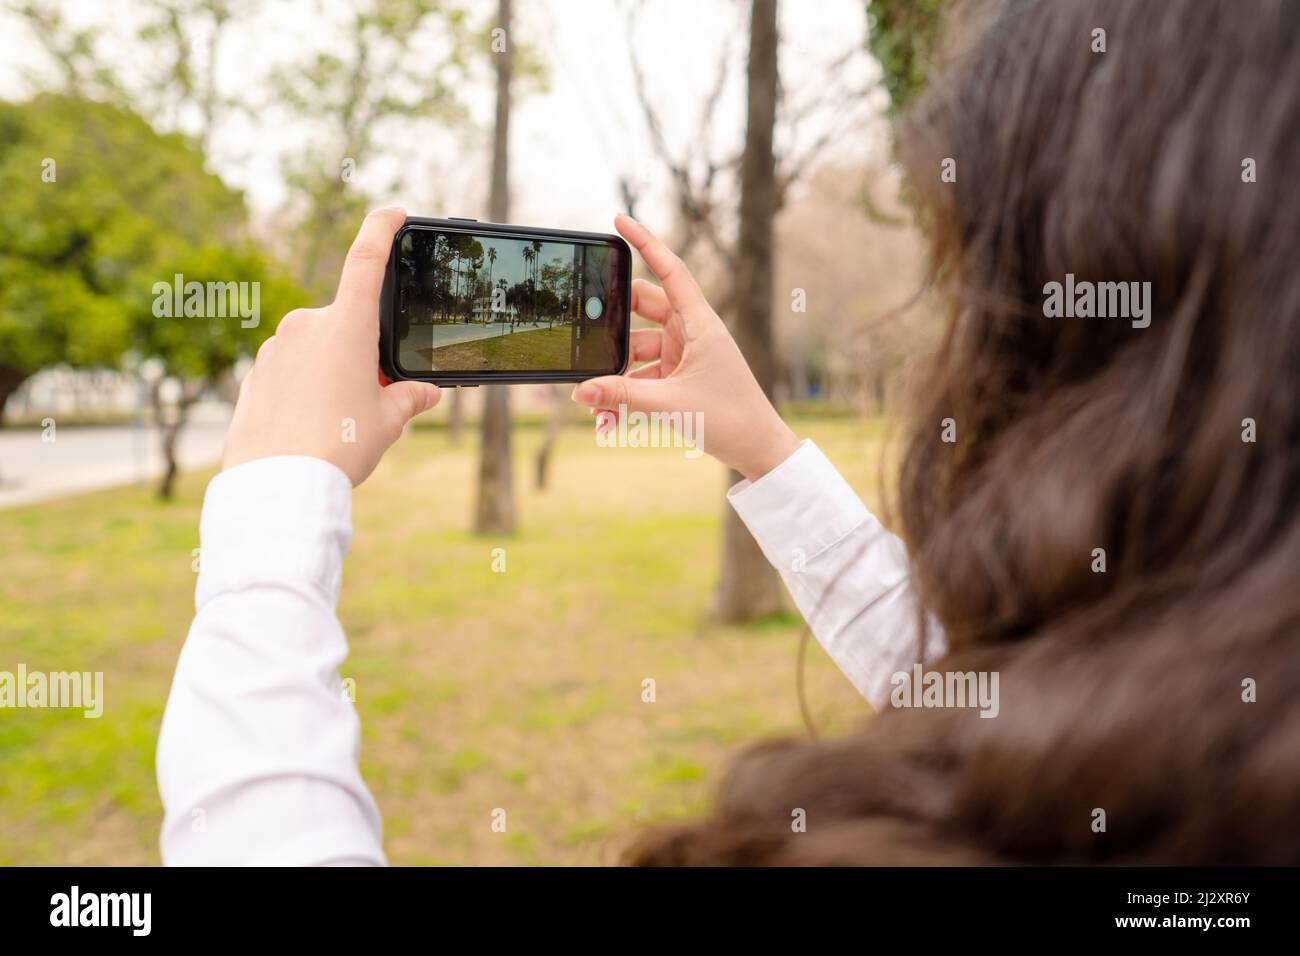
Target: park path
(420, 338)
(87, 458)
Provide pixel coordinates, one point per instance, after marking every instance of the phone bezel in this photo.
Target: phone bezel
(388, 304)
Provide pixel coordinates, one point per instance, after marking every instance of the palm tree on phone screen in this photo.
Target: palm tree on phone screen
(537, 262)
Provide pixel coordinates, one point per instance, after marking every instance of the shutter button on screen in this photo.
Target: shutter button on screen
(594, 308)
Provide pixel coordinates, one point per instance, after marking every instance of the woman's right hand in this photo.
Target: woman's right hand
(692, 365)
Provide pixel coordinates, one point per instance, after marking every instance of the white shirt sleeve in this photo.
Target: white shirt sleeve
(847, 574)
(257, 756)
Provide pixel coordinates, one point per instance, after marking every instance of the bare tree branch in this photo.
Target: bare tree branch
(697, 174)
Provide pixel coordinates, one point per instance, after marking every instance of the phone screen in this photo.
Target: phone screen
(472, 303)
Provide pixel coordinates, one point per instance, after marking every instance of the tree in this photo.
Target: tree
(81, 253)
(529, 256)
(401, 61)
(903, 36)
(537, 261)
(178, 47)
(495, 508)
(63, 250)
(560, 411)
(196, 351)
(702, 180)
(79, 70)
(183, 94)
(749, 587)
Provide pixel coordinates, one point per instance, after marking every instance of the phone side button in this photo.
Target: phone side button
(460, 219)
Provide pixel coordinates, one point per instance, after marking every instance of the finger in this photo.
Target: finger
(298, 320)
(264, 352)
(646, 344)
(679, 285)
(246, 383)
(362, 278)
(650, 302)
(652, 370)
(617, 392)
(412, 398)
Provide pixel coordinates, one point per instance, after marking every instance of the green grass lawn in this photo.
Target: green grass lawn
(532, 348)
(477, 690)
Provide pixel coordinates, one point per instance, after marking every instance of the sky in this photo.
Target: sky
(570, 142)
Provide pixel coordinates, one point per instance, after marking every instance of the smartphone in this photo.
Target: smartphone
(473, 303)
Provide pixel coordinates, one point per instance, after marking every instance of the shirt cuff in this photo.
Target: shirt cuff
(280, 520)
(805, 496)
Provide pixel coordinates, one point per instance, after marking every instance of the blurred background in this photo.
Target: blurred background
(512, 586)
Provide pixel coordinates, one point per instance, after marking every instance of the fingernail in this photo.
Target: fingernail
(586, 394)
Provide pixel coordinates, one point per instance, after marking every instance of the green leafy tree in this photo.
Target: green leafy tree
(399, 64)
(86, 189)
(903, 36)
(197, 351)
(98, 209)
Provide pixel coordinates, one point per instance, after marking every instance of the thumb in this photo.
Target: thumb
(615, 391)
(412, 398)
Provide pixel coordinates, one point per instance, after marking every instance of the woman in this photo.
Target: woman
(1100, 511)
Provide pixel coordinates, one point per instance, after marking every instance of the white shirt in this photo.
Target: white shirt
(257, 756)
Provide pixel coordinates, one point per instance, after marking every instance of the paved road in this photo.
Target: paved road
(83, 459)
(421, 338)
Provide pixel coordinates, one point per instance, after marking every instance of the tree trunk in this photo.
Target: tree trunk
(559, 412)
(748, 587)
(10, 381)
(495, 511)
(456, 420)
(171, 433)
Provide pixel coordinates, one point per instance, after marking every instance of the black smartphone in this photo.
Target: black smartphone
(473, 303)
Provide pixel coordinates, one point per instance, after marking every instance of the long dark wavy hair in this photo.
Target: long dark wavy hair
(1164, 691)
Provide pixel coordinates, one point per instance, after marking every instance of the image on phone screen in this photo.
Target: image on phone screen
(495, 303)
